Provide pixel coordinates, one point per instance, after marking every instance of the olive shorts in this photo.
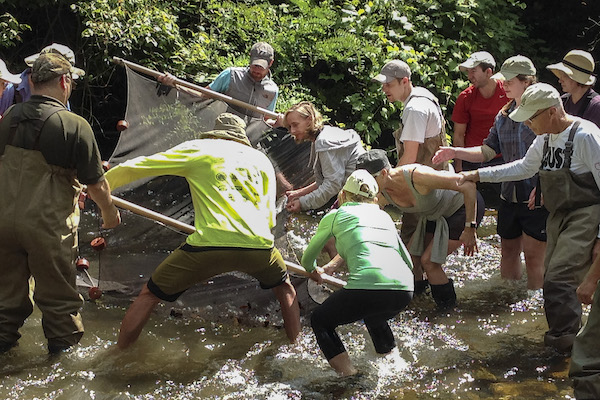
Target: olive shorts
(189, 265)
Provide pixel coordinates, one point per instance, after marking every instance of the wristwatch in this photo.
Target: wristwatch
(470, 224)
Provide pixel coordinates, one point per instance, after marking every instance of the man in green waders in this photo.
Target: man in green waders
(47, 153)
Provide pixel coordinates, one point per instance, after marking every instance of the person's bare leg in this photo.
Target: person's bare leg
(510, 260)
(535, 252)
(136, 317)
(342, 364)
(290, 310)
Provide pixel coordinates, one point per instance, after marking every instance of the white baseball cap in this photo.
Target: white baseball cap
(61, 49)
(361, 182)
(477, 58)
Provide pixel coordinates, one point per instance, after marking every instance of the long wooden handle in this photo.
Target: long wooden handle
(203, 90)
(145, 212)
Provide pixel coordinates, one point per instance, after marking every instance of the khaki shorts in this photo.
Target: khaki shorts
(189, 265)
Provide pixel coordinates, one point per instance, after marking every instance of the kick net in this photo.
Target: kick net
(159, 119)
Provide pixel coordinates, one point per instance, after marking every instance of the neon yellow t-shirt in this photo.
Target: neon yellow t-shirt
(232, 186)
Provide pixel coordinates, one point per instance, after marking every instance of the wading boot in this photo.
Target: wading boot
(421, 286)
(444, 295)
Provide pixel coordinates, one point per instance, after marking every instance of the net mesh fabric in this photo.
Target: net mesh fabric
(159, 119)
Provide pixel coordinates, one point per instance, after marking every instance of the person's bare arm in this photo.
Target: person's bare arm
(100, 193)
(427, 179)
(471, 154)
(411, 150)
(458, 140)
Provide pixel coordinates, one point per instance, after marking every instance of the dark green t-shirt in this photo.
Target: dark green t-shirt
(66, 139)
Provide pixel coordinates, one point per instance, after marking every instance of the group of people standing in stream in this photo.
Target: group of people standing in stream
(508, 128)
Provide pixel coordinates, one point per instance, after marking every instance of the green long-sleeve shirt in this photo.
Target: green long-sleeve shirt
(367, 239)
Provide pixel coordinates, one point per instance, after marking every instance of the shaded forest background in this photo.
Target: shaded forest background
(326, 51)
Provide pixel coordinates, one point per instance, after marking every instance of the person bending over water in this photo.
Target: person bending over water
(448, 216)
(380, 284)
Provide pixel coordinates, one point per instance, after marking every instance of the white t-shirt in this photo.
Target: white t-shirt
(421, 118)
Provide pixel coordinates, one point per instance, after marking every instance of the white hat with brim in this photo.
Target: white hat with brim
(515, 66)
(361, 182)
(477, 58)
(536, 97)
(7, 76)
(577, 65)
(61, 49)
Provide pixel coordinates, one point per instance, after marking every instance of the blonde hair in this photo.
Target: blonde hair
(307, 110)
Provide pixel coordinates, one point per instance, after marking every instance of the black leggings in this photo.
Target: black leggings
(375, 307)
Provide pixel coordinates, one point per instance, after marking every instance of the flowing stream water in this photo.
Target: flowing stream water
(489, 347)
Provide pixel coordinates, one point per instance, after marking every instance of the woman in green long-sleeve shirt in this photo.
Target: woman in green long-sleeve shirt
(380, 284)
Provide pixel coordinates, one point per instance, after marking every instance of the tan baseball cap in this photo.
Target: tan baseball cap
(578, 65)
(536, 97)
(50, 65)
(261, 54)
(395, 69)
(513, 66)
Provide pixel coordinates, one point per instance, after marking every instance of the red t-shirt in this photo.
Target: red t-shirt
(478, 112)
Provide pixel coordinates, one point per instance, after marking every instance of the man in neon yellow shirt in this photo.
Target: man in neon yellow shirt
(233, 193)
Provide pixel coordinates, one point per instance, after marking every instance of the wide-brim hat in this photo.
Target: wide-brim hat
(514, 66)
(61, 49)
(6, 75)
(577, 65)
(536, 97)
(230, 127)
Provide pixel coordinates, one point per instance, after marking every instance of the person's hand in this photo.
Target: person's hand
(468, 176)
(585, 291)
(293, 206)
(274, 122)
(316, 275)
(292, 195)
(167, 79)
(469, 240)
(531, 200)
(111, 217)
(443, 154)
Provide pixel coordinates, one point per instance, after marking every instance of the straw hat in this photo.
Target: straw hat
(578, 65)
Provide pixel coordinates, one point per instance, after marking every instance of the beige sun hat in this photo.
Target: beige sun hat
(64, 51)
(6, 75)
(578, 65)
(230, 127)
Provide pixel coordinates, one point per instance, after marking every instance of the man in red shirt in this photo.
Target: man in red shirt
(477, 106)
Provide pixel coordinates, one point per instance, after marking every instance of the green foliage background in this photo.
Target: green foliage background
(326, 51)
